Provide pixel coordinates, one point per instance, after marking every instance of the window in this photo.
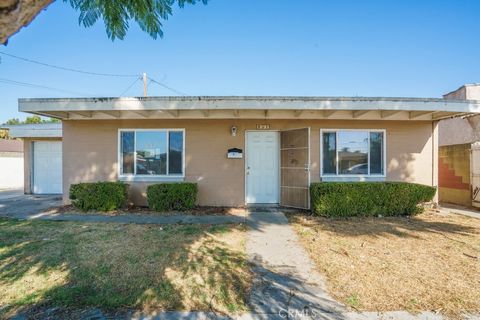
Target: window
(353, 152)
(151, 152)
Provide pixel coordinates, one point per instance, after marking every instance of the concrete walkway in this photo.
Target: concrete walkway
(10, 193)
(50, 215)
(17, 203)
(451, 208)
(285, 278)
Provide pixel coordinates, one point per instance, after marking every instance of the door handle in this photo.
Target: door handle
(307, 167)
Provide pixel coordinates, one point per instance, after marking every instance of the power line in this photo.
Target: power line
(70, 69)
(32, 85)
(84, 72)
(129, 87)
(168, 87)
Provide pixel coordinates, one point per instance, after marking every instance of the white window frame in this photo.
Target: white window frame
(147, 177)
(354, 177)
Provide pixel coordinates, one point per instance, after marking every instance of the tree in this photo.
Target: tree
(13, 121)
(116, 14)
(33, 119)
(30, 120)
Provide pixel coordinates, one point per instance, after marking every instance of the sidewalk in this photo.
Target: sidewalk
(145, 219)
(451, 208)
(285, 278)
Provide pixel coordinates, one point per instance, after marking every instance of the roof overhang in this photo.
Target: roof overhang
(37, 130)
(356, 108)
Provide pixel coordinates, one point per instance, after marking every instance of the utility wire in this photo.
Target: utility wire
(31, 85)
(88, 73)
(167, 87)
(129, 87)
(70, 69)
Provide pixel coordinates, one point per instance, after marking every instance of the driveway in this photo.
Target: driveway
(15, 203)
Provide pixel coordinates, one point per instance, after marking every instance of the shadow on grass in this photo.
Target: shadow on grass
(120, 267)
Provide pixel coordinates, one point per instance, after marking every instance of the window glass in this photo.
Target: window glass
(352, 152)
(175, 152)
(329, 148)
(127, 140)
(376, 152)
(151, 152)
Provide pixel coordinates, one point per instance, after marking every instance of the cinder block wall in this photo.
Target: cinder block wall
(454, 174)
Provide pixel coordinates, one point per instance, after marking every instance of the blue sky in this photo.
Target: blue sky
(251, 47)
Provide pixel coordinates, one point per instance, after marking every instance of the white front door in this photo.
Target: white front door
(47, 167)
(262, 167)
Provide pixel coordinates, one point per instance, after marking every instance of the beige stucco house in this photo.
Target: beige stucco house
(248, 150)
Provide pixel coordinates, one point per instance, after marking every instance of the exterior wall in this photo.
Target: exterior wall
(11, 170)
(461, 130)
(454, 174)
(27, 161)
(465, 92)
(458, 131)
(459, 94)
(90, 151)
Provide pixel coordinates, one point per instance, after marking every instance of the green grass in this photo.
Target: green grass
(146, 267)
(353, 301)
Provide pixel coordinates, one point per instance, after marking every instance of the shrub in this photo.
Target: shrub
(346, 199)
(172, 196)
(101, 196)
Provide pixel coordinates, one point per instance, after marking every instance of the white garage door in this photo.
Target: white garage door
(47, 167)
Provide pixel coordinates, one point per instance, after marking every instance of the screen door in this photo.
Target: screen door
(295, 168)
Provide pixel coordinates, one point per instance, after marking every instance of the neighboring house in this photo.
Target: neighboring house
(459, 153)
(11, 164)
(42, 163)
(248, 150)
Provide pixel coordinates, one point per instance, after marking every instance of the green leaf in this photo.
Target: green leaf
(117, 14)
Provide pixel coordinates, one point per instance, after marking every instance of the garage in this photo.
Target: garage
(42, 144)
(47, 167)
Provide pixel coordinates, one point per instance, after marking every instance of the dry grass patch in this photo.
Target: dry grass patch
(428, 262)
(112, 266)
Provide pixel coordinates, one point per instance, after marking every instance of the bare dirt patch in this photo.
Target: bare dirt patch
(427, 262)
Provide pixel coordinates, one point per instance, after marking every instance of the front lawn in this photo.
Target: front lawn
(113, 266)
(428, 262)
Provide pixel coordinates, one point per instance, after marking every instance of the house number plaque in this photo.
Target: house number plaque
(263, 126)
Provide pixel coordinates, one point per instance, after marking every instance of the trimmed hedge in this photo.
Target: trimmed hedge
(172, 196)
(347, 199)
(99, 196)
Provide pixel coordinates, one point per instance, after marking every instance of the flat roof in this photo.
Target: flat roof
(275, 107)
(34, 130)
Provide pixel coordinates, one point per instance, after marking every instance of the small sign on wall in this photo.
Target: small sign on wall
(235, 153)
(263, 126)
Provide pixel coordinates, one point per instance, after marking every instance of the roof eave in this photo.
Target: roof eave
(249, 107)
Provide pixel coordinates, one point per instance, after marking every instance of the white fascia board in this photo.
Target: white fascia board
(247, 103)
